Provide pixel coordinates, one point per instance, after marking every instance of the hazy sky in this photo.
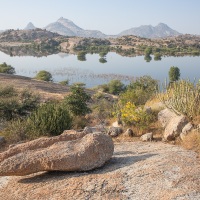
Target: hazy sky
(108, 16)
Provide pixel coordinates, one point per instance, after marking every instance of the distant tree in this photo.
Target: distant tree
(81, 56)
(157, 56)
(174, 74)
(44, 76)
(7, 69)
(148, 51)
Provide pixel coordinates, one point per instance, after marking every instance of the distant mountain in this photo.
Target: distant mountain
(30, 26)
(147, 31)
(66, 27)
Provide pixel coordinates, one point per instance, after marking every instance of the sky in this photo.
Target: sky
(109, 16)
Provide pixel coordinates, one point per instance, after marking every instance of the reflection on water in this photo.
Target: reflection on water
(66, 66)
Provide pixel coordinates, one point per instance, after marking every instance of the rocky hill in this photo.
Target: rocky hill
(30, 26)
(26, 35)
(66, 27)
(148, 31)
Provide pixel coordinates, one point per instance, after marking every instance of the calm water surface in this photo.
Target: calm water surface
(66, 66)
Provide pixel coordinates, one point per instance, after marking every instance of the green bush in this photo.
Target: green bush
(113, 87)
(7, 69)
(66, 82)
(77, 101)
(44, 76)
(16, 104)
(49, 119)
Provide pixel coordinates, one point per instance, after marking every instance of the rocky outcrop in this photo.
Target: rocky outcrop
(164, 116)
(172, 123)
(174, 127)
(68, 152)
(147, 137)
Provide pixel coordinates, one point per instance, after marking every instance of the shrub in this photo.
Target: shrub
(77, 101)
(131, 115)
(66, 82)
(139, 91)
(49, 119)
(16, 104)
(44, 76)
(113, 87)
(7, 69)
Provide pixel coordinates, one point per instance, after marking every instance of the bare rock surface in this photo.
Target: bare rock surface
(139, 171)
(174, 127)
(68, 154)
(165, 116)
(147, 137)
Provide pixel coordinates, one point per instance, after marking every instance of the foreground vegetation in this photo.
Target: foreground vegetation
(24, 115)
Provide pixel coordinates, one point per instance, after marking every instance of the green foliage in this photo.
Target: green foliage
(174, 74)
(182, 97)
(102, 60)
(103, 54)
(148, 51)
(81, 56)
(147, 57)
(113, 87)
(49, 119)
(76, 102)
(102, 108)
(66, 82)
(146, 83)
(157, 56)
(7, 69)
(131, 115)
(44, 76)
(15, 104)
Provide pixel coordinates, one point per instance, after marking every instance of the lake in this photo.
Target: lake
(67, 67)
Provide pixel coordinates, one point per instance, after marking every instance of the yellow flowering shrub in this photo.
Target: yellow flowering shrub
(131, 115)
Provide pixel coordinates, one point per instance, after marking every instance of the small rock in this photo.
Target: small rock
(98, 128)
(114, 131)
(187, 128)
(129, 133)
(147, 137)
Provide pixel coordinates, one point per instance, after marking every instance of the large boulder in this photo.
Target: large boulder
(174, 127)
(165, 116)
(79, 152)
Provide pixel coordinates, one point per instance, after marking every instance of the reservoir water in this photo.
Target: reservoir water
(65, 66)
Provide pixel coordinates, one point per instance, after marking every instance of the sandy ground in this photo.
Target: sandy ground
(48, 90)
(138, 171)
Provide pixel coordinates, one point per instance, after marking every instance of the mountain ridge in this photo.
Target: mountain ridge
(149, 31)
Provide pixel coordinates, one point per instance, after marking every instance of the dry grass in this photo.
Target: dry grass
(192, 141)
